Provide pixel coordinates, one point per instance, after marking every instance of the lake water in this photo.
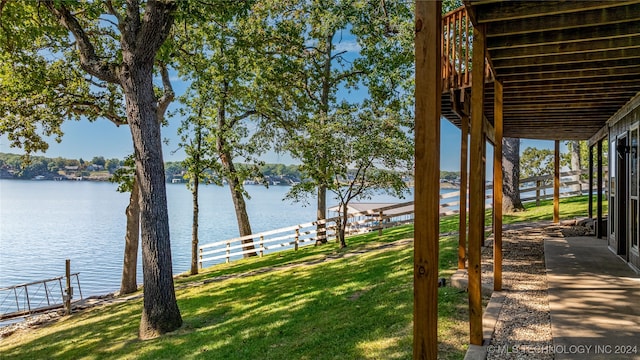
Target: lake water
(42, 223)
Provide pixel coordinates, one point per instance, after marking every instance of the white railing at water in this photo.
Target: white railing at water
(293, 237)
(34, 297)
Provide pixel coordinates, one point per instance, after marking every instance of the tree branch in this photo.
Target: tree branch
(91, 108)
(242, 116)
(89, 61)
(346, 75)
(116, 14)
(154, 29)
(168, 95)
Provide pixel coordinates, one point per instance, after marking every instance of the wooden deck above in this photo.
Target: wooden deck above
(566, 66)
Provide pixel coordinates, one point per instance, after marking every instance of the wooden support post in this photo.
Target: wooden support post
(428, 93)
(262, 244)
(497, 188)
(538, 186)
(297, 238)
(228, 251)
(200, 262)
(476, 186)
(462, 231)
(600, 223)
(68, 291)
(590, 182)
(556, 183)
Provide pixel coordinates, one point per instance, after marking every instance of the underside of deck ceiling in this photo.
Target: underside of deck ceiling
(566, 66)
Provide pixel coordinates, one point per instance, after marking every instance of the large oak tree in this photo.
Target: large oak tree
(64, 60)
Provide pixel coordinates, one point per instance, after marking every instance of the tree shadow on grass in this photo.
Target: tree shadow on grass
(351, 308)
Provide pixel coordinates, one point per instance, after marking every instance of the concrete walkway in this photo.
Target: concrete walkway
(594, 299)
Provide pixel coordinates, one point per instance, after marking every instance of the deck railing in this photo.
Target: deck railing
(456, 49)
(457, 45)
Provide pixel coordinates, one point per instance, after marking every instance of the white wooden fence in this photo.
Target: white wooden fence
(375, 219)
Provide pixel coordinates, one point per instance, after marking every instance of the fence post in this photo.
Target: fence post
(15, 293)
(79, 288)
(538, 182)
(261, 245)
(46, 292)
(380, 226)
(228, 250)
(200, 256)
(26, 293)
(297, 237)
(69, 290)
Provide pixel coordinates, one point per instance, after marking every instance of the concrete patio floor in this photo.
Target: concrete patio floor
(594, 299)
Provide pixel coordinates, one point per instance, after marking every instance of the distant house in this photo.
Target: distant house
(71, 170)
(95, 167)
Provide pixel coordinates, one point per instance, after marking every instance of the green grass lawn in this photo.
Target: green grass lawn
(357, 307)
(352, 307)
(570, 208)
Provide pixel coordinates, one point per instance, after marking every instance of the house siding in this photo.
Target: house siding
(622, 123)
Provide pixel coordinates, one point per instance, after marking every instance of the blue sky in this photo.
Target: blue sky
(83, 139)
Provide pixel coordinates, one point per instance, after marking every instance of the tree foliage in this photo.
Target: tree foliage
(369, 153)
(361, 48)
(536, 162)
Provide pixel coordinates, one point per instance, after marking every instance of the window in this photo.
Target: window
(633, 184)
(633, 156)
(634, 223)
(612, 187)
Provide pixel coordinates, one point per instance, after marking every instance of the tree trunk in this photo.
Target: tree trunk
(321, 229)
(575, 164)
(160, 313)
(244, 226)
(343, 228)
(129, 282)
(511, 176)
(194, 226)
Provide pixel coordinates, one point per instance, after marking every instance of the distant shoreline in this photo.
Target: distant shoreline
(448, 185)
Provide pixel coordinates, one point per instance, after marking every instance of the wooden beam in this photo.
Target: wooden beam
(589, 57)
(585, 46)
(631, 70)
(566, 97)
(575, 107)
(612, 31)
(601, 134)
(600, 231)
(534, 68)
(614, 82)
(497, 190)
(556, 183)
(476, 182)
(462, 231)
(573, 89)
(630, 106)
(489, 130)
(596, 17)
(428, 92)
(503, 11)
